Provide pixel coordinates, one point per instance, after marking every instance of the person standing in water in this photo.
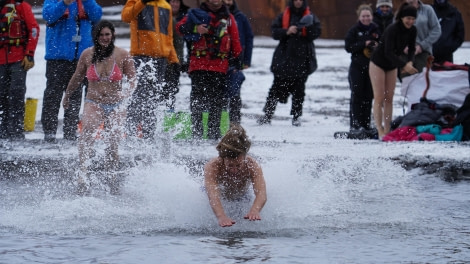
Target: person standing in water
(107, 69)
(229, 176)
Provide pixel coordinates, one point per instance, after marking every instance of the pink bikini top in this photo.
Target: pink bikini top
(93, 76)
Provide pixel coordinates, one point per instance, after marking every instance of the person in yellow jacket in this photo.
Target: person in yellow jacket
(151, 27)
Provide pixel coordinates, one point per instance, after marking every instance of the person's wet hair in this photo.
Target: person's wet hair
(100, 53)
(234, 143)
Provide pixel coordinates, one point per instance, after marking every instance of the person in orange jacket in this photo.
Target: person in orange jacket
(151, 26)
(19, 33)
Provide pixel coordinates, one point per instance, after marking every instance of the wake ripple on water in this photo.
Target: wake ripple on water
(167, 197)
(323, 201)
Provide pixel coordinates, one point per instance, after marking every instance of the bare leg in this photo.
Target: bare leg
(114, 128)
(91, 120)
(377, 78)
(390, 82)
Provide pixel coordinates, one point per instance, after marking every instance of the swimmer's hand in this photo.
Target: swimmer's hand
(253, 216)
(225, 221)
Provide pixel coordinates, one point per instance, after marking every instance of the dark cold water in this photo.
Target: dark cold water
(324, 208)
(329, 201)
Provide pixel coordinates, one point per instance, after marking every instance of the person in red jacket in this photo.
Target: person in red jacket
(19, 33)
(215, 41)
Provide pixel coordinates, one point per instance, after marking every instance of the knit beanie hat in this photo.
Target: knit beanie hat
(384, 2)
(407, 10)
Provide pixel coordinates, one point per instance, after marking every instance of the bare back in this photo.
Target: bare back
(233, 186)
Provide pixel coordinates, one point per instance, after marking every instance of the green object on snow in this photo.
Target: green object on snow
(179, 123)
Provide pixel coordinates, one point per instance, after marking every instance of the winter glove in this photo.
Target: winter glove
(235, 63)
(27, 63)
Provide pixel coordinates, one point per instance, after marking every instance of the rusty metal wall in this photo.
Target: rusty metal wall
(336, 16)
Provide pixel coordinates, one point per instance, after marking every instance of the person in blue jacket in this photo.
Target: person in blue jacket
(68, 33)
(235, 77)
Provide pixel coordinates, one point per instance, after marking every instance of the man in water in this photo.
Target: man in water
(228, 176)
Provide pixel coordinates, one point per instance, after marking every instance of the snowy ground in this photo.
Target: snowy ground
(325, 111)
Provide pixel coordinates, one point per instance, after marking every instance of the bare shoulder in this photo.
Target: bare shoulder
(252, 163)
(88, 53)
(121, 53)
(87, 56)
(213, 166)
(213, 163)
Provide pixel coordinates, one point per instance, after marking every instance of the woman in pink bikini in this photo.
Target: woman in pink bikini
(111, 74)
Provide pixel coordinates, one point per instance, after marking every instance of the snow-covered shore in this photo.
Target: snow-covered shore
(325, 111)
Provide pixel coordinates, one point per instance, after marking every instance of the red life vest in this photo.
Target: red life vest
(13, 29)
(81, 13)
(216, 43)
(286, 19)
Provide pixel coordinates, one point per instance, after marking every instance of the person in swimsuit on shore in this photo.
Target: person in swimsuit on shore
(229, 176)
(105, 67)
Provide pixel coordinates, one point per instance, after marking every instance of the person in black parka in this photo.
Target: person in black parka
(360, 41)
(452, 31)
(236, 77)
(173, 70)
(294, 58)
(463, 118)
(383, 15)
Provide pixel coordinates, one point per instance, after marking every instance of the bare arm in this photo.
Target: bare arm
(259, 187)
(77, 77)
(210, 173)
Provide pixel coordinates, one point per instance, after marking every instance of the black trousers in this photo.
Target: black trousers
(207, 95)
(58, 74)
(12, 92)
(142, 109)
(234, 109)
(360, 105)
(172, 82)
(280, 91)
(235, 79)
